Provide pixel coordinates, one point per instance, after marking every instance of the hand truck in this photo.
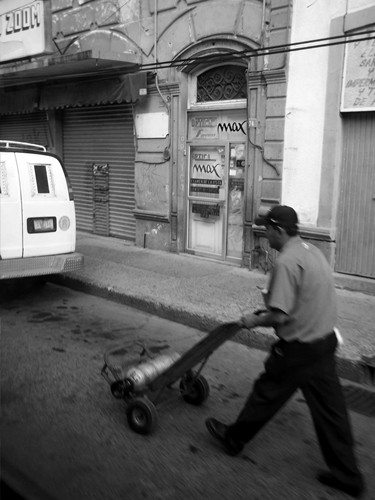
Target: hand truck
(141, 405)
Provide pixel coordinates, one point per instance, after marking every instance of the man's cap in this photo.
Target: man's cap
(279, 215)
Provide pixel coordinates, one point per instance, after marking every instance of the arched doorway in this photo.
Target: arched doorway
(217, 162)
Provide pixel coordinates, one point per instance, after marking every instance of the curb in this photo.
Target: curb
(350, 369)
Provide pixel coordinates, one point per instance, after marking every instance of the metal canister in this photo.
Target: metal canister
(139, 376)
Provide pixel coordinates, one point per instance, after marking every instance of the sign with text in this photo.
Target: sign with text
(212, 125)
(25, 28)
(206, 171)
(358, 87)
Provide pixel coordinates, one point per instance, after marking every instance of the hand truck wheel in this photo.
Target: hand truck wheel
(117, 389)
(142, 416)
(194, 390)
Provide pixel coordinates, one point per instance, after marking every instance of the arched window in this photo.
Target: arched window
(222, 84)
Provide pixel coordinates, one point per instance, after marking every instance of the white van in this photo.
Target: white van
(37, 213)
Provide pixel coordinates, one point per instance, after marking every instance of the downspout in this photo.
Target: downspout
(263, 34)
(155, 34)
(166, 153)
(156, 52)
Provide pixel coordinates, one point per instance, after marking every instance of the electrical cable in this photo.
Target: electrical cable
(269, 51)
(224, 56)
(259, 148)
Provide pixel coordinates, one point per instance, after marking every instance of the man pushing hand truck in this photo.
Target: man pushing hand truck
(301, 307)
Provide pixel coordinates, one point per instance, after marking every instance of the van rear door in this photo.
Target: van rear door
(11, 208)
(48, 214)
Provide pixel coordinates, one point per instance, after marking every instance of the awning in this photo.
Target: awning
(24, 100)
(93, 91)
(124, 88)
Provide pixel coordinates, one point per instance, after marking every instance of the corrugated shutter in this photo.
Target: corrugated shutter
(28, 127)
(102, 134)
(356, 216)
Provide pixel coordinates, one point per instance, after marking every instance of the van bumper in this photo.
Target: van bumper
(39, 266)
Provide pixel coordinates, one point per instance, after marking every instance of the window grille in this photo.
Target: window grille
(221, 84)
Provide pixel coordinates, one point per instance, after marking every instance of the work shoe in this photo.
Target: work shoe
(330, 480)
(220, 431)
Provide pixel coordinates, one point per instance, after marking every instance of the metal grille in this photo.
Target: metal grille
(221, 84)
(102, 134)
(28, 127)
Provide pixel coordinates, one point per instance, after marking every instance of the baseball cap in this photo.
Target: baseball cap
(280, 215)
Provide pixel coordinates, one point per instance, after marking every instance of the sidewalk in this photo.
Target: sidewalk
(202, 293)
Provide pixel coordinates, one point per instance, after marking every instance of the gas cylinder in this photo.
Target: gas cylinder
(137, 377)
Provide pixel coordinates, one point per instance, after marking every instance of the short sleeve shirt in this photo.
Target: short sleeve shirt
(302, 287)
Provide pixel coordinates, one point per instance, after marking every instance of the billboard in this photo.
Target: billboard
(25, 28)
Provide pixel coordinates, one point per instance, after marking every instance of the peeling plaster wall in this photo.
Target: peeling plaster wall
(152, 186)
(183, 29)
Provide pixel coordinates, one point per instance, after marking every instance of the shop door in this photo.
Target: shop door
(216, 180)
(101, 137)
(355, 251)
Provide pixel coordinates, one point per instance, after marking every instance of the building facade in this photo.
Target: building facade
(178, 121)
(329, 146)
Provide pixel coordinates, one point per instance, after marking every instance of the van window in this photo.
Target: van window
(42, 181)
(41, 178)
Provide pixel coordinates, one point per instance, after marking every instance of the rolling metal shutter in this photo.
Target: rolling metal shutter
(28, 127)
(102, 135)
(355, 251)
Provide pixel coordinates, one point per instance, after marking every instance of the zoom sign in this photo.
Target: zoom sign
(24, 28)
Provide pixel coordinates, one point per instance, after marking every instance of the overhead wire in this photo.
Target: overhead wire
(276, 49)
(225, 55)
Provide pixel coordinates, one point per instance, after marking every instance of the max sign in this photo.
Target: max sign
(23, 28)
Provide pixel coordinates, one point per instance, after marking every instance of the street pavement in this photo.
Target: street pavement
(203, 293)
(65, 437)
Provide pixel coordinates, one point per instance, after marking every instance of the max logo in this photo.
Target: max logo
(206, 169)
(232, 127)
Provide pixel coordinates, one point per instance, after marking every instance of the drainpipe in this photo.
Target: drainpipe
(155, 32)
(156, 52)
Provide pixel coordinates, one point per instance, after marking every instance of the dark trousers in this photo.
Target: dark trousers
(310, 367)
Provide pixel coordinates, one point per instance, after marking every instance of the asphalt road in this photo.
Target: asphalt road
(64, 436)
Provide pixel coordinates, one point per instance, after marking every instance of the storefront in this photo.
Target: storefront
(74, 96)
(165, 137)
(94, 135)
(216, 183)
(98, 151)
(26, 127)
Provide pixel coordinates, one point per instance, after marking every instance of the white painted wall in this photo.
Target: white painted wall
(305, 104)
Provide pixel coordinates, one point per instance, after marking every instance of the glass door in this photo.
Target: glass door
(216, 200)
(216, 180)
(207, 199)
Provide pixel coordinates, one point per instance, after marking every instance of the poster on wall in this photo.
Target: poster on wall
(358, 84)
